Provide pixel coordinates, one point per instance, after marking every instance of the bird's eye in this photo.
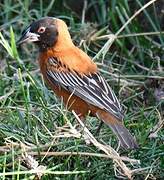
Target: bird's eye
(41, 29)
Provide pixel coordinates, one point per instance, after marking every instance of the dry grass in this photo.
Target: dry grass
(39, 138)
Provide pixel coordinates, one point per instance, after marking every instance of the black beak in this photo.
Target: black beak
(28, 36)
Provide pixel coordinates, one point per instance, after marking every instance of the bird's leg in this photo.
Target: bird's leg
(99, 127)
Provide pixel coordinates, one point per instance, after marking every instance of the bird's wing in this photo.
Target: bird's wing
(92, 88)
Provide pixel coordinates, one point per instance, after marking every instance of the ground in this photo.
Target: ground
(36, 131)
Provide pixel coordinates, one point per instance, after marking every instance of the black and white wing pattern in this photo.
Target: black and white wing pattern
(92, 88)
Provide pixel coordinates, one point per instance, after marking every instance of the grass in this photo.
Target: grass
(31, 117)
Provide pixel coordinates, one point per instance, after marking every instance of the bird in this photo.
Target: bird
(74, 77)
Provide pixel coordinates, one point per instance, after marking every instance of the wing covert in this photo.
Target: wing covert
(92, 88)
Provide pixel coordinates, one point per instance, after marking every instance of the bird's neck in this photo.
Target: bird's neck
(60, 50)
(64, 40)
(63, 43)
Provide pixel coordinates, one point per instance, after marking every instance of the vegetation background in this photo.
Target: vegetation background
(32, 120)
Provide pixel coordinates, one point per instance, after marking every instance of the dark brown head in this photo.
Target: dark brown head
(43, 32)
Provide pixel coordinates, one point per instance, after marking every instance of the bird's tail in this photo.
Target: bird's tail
(126, 139)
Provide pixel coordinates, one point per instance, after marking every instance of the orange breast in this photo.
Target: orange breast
(71, 101)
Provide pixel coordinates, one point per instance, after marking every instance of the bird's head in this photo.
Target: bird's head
(45, 33)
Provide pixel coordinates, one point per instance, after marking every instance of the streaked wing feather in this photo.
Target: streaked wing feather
(92, 88)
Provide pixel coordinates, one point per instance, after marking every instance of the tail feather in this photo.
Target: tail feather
(126, 139)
